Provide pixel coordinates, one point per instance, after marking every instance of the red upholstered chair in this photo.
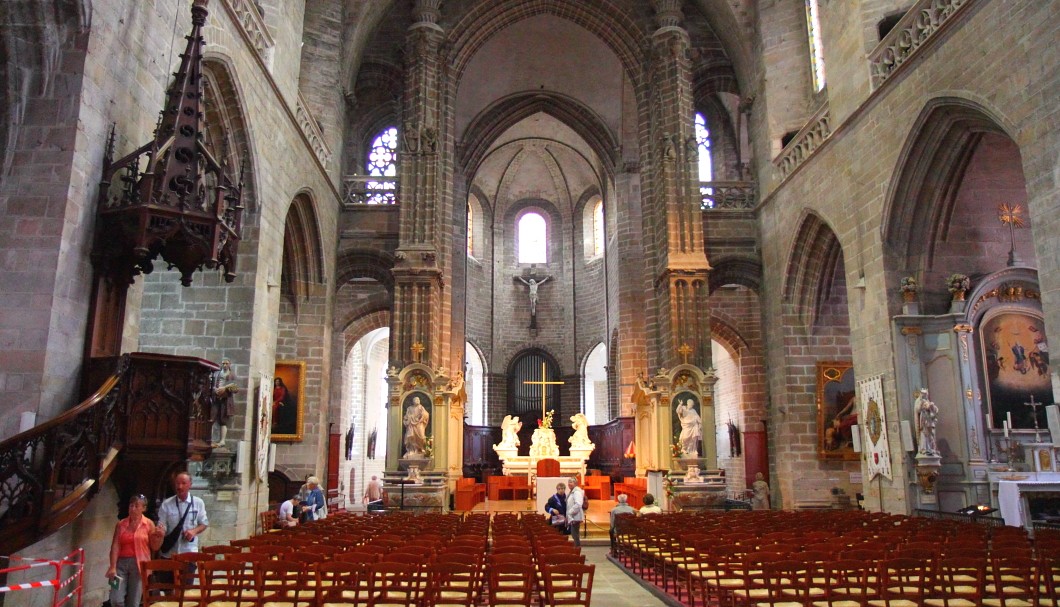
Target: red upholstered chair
(548, 467)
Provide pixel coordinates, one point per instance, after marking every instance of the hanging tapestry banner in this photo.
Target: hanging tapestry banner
(877, 453)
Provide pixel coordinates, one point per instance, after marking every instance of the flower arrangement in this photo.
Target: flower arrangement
(428, 447)
(668, 488)
(909, 285)
(676, 449)
(546, 422)
(958, 283)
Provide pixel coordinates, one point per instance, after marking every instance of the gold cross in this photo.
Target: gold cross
(543, 383)
(685, 350)
(1011, 215)
(417, 350)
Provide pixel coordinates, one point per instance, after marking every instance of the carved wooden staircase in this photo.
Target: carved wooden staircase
(148, 417)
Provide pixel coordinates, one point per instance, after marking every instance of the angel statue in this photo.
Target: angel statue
(510, 432)
(580, 438)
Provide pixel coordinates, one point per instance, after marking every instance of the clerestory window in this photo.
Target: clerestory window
(533, 238)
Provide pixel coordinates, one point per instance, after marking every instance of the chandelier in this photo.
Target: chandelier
(173, 197)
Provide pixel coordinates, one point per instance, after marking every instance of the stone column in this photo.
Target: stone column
(420, 304)
(681, 284)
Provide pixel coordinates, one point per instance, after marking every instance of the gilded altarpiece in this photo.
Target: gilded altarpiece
(658, 426)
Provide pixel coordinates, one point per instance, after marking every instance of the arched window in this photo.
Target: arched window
(594, 385)
(475, 386)
(706, 166)
(598, 228)
(533, 238)
(470, 230)
(382, 162)
(813, 30)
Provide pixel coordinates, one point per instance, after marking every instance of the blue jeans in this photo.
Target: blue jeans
(130, 586)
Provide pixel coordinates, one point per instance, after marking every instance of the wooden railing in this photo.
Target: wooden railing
(49, 474)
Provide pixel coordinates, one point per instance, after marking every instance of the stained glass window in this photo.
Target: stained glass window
(706, 169)
(598, 228)
(382, 162)
(813, 28)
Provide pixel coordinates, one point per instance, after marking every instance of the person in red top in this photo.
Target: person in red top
(135, 536)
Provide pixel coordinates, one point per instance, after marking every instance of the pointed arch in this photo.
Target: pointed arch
(930, 166)
(813, 261)
(744, 271)
(225, 117)
(303, 251)
(485, 128)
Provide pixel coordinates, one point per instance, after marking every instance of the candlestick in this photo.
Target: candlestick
(1005, 424)
(1008, 416)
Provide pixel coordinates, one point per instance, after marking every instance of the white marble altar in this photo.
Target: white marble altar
(1011, 494)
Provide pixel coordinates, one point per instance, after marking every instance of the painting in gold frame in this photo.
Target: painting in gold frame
(837, 412)
(288, 401)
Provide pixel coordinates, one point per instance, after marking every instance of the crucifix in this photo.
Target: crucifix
(685, 350)
(544, 407)
(543, 383)
(1012, 216)
(533, 283)
(417, 350)
(1034, 413)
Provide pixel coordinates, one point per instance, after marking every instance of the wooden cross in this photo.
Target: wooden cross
(543, 383)
(417, 350)
(685, 350)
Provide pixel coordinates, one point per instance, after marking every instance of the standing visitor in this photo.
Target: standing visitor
(135, 536)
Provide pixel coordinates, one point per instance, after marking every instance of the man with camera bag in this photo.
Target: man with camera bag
(182, 518)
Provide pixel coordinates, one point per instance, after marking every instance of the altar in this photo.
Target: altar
(1012, 495)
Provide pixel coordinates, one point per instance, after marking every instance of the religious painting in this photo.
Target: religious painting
(836, 411)
(288, 401)
(687, 425)
(1015, 357)
(417, 437)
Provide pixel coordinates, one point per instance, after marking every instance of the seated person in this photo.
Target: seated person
(285, 516)
(650, 507)
(623, 507)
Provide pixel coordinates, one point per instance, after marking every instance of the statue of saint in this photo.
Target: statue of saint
(580, 438)
(224, 400)
(759, 493)
(533, 283)
(927, 417)
(416, 418)
(691, 428)
(510, 432)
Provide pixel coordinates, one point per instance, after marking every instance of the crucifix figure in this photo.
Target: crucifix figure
(533, 283)
(1034, 414)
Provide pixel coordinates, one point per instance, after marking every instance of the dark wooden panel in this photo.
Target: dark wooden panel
(611, 440)
(755, 455)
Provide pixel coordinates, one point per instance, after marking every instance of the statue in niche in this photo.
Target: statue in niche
(416, 419)
(691, 428)
(927, 417)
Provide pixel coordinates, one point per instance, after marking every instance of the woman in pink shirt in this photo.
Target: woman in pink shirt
(135, 536)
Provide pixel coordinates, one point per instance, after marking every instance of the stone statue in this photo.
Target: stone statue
(224, 400)
(927, 416)
(759, 493)
(691, 428)
(580, 438)
(416, 418)
(510, 432)
(533, 283)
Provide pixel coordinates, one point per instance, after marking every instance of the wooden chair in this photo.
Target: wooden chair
(394, 584)
(452, 584)
(283, 584)
(904, 582)
(162, 583)
(226, 583)
(848, 583)
(961, 582)
(569, 584)
(342, 584)
(268, 521)
(511, 584)
(1014, 583)
(221, 549)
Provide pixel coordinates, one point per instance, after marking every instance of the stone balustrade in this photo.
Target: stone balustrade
(729, 195)
(245, 13)
(312, 131)
(805, 142)
(360, 190)
(920, 25)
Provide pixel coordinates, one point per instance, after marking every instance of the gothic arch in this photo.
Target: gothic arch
(924, 181)
(365, 263)
(226, 111)
(492, 122)
(742, 271)
(303, 255)
(603, 18)
(364, 324)
(724, 333)
(813, 259)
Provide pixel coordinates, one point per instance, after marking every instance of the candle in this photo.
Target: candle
(1008, 416)
(1005, 423)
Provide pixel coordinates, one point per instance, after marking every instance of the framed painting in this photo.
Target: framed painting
(288, 401)
(837, 413)
(1015, 357)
